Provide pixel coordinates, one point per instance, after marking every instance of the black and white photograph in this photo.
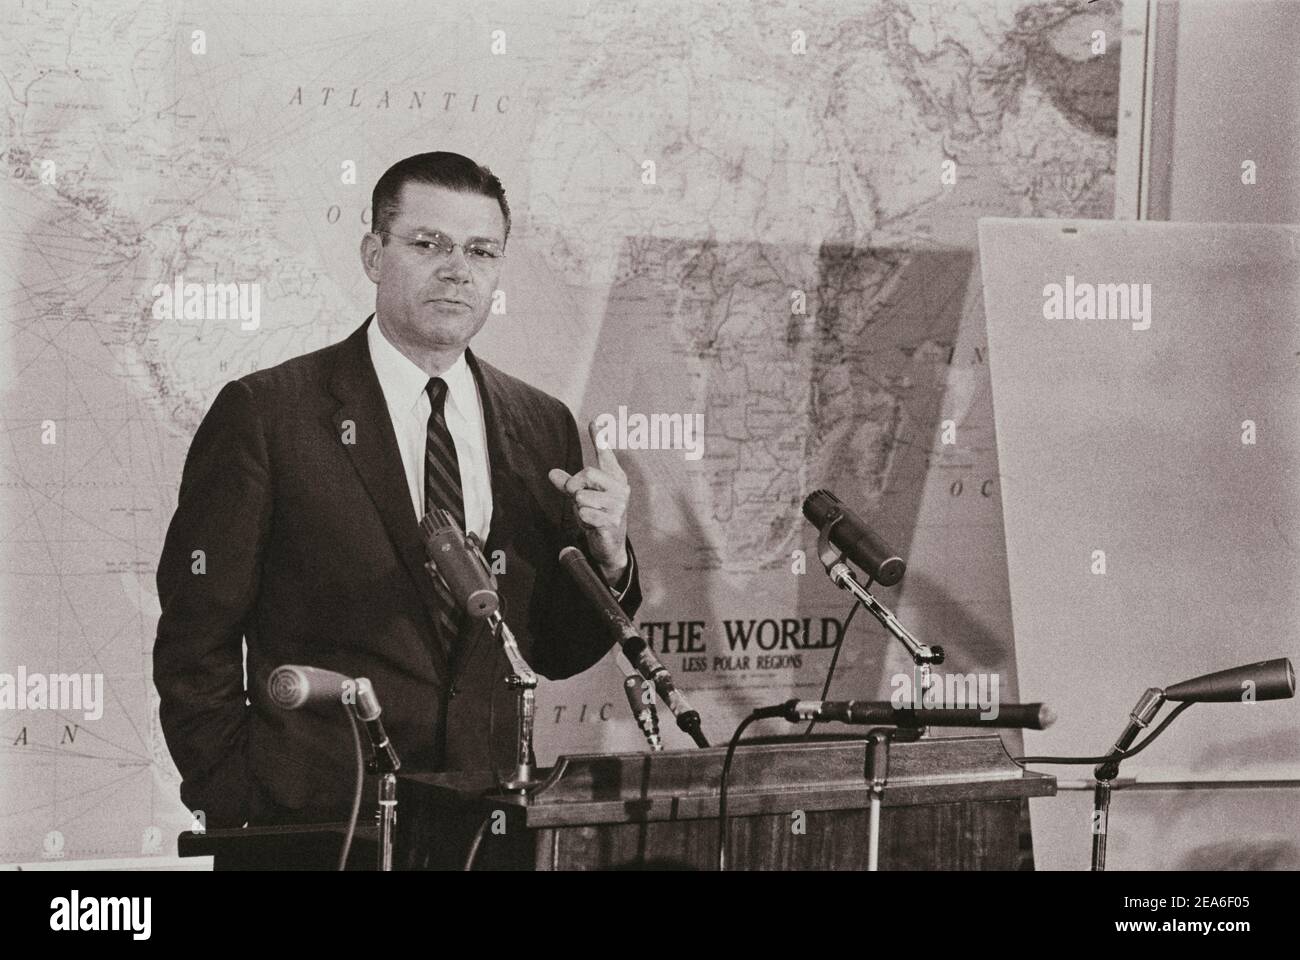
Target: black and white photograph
(763, 437)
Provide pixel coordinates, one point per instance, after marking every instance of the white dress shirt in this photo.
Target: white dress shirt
(403, 384)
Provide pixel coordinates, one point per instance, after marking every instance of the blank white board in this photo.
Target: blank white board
(1128, 440)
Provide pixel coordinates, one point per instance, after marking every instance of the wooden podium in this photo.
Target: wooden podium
(949, 804)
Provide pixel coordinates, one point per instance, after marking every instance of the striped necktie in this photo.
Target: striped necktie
(442, 490)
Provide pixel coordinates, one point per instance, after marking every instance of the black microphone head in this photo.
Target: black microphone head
(860, 543)
(1265, 680)
(602, 598)
(821, 506)
(434, 522)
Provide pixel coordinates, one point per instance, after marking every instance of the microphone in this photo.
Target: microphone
(292, 687)
(1016, 716)
(367, 709)
(847, 531)
(634, 646)
(1265, 680)
(456, 561)
(640, 700)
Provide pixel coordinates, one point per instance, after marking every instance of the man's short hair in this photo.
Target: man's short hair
(441, 169)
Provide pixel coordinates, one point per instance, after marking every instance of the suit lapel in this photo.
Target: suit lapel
(514, 475)
(376, 458)
(513, 466)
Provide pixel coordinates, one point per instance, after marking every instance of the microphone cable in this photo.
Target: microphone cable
(1123, 755)
(476, 843)
(835, 657)
(356, 793)
(723, 834)
(492, 717)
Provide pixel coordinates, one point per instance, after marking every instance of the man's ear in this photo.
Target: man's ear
(372, 253)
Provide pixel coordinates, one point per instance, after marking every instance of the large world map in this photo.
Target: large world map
(761, 214)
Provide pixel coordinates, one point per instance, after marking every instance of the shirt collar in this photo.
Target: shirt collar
(404, 383)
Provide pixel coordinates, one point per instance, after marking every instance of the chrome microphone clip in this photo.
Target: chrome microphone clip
(841, 574)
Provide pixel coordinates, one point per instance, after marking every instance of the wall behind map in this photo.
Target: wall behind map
(1229, 92)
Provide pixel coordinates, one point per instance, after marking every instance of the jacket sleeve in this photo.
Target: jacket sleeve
(207, 584)
(570, 636)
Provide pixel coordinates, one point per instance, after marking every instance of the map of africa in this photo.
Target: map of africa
(762, 213)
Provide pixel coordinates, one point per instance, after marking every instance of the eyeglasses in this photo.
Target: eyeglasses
(432, 243)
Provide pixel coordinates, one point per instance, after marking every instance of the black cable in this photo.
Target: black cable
(356, 795)
(723, 839)
(835, 657)
(492, 713)
(1123, 755)
(477, 842)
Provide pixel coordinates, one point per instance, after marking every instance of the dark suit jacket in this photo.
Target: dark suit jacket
(312, 554)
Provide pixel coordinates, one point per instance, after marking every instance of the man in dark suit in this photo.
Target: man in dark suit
(297, 527)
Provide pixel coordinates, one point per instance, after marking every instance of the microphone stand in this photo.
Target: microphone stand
(832, 558)
(877, 772)
(385, 764)
(879, 741)
(521, 679)
(1143, 713)
(524, 682)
